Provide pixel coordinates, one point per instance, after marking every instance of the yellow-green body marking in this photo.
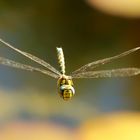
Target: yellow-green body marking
(65, 87)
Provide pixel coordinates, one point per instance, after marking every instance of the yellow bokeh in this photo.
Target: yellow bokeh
(125, 8)
(118, 126)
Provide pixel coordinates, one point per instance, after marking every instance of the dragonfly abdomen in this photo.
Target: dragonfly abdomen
(61, 60)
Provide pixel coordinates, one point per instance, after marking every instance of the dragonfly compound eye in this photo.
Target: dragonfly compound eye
(67, 92)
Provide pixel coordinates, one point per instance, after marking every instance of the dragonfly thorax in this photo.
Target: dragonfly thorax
(65, 87)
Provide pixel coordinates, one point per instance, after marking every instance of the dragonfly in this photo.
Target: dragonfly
(65, 85)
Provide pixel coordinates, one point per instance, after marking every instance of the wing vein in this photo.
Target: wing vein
(123, 72)
(32, 57)
(92, 65)
(14, 64)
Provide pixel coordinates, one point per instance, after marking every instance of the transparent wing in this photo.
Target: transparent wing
(14, 64)
(32, 57)
(92, 65)
(123, 72)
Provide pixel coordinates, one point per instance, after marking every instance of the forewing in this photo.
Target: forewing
(32, 57)
(14, 64)
(124, 72)
(92, 65)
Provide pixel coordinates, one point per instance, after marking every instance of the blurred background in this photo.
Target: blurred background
(102, 109)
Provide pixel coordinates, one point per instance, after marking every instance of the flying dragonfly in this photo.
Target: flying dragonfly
(65, 84)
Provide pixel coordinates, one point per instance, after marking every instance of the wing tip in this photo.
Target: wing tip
(59, 48)
(137, 48)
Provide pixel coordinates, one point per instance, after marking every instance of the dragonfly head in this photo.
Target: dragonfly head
(67, 92)
(65, 88)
